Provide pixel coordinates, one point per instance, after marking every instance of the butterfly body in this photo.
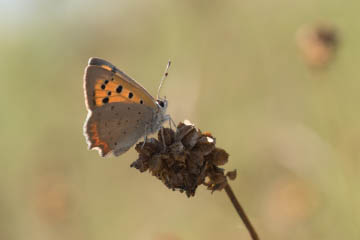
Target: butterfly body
(120, 111)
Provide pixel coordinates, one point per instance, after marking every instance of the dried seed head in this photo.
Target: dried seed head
(184, 159)
(219, 157)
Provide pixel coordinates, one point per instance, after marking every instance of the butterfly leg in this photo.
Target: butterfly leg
(145, 137)
(163, 138)
(171, 122)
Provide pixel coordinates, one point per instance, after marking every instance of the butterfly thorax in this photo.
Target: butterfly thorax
(159, 116)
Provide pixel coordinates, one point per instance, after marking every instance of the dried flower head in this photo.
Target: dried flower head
(184, 159)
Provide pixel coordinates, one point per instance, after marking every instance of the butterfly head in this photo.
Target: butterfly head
(162, 103)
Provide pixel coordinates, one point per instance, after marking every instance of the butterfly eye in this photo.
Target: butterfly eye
(161, 103)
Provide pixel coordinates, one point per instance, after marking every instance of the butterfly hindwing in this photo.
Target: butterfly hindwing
(107, 128)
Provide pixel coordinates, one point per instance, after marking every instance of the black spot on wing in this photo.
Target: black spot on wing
(119, 89)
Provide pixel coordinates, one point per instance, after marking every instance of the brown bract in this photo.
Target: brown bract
(184, 159)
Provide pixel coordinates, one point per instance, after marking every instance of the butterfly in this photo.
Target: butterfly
(120, 110)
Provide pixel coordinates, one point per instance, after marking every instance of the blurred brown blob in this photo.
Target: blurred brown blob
(184, 159)
(289, 202)
(51, 198)
(317, 44)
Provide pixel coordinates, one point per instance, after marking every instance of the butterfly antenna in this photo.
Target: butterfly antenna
(166, 73)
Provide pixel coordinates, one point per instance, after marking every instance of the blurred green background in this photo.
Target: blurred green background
(292, 131)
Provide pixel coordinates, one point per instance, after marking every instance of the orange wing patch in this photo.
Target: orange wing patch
(96, 141)
(105, 67)
(116, 89)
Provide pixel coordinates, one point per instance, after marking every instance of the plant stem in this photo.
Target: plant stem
(241, 212)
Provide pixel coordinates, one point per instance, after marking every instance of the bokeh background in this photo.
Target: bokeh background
(292, 130)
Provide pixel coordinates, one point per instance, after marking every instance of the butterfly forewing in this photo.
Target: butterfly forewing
(103, 86)
(110, 67)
